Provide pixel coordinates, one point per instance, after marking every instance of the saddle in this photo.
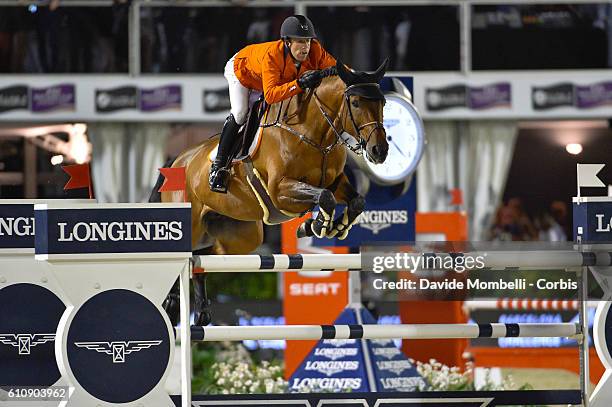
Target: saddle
(247, 133)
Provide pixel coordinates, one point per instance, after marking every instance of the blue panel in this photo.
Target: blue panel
(118, 346)
(595, 218)
(137, 230)
(344, 360)
(30, 315)
(333, 365)
(16, 226)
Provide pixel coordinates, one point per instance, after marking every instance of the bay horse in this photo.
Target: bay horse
(298, 165)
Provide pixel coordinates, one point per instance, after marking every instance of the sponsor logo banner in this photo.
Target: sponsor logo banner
(216, 100)
(13, 98)
(593, 221)
(16, 226)
(376, 221)
(490, 96)
(336, 353)
(595, 95)
(120, 98)
(75, 231)
(331, 367)
(568, 94)
(53, 98)
(161, 98)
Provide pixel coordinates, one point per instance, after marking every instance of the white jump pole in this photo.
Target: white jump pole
(507, 260)
(415, 331)
(278, 262)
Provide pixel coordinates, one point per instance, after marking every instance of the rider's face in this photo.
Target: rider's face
(300, 48)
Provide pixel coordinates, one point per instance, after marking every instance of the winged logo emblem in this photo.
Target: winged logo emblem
(117, 349)
(25, 342)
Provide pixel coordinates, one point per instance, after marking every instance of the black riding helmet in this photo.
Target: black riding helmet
(297, 26)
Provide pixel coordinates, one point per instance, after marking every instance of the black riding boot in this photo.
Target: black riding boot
(219, 170)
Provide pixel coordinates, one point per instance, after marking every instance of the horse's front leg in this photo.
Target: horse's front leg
(298, 197)
(355, 204)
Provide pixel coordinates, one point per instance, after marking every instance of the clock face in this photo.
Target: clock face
(405, 135)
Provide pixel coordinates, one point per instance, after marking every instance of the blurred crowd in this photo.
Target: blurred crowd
(513, 223)
(197, 39)
(202, 39)
(54, 39)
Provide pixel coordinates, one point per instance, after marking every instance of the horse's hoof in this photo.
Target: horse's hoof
(305, 229)
(172, 307)
(203, 318)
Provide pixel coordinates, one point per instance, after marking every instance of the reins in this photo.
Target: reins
(325, 151)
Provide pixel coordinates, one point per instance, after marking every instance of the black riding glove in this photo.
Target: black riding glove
(310, 79)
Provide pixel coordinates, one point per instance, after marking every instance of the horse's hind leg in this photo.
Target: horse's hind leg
(172, 303)
(233, 236)
(230, 237)
(202, 304)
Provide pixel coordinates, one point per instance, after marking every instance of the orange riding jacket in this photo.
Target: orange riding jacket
(269, 68)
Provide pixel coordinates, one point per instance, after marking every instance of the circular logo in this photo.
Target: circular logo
(103, 100)
(30, 315)
(434, 99)
(540, 98)
(211, 100)
(118, 346)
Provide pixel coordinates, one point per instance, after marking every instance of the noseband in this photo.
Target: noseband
(366, 90)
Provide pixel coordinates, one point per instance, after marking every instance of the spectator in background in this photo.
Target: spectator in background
(513, 224)
(103, 52)
(120, 34)
(402, 34)
(527, 230)
(558, 210)
(259, 29)
(147, 39)
(82, 31)
(506, 226)
(49, 21)
(6, 39)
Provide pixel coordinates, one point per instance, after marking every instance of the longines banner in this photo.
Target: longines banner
(204, 98)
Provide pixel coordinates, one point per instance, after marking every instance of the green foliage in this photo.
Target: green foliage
(246, 286)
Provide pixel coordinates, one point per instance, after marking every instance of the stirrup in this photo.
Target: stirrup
(219, 179)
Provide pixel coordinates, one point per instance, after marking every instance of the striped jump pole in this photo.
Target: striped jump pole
(278, 262)
(414, 331)
(525, 304)
(502, 260)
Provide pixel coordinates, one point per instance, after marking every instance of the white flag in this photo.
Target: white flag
(587, 175)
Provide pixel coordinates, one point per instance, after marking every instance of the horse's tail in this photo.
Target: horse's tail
(155, 194)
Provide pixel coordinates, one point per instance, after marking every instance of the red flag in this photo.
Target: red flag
(79, 177)
(175, 179)
(456, 196)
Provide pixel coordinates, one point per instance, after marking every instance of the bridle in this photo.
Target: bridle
(368, 90)
(362, 141)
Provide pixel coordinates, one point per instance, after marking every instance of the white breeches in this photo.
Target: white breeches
(239, 95)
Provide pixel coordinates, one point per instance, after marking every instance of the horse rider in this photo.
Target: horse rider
(280, 69)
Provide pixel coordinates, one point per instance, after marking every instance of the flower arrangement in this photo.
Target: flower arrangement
(233, 371)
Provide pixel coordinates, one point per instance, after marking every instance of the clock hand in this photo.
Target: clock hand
(397, 148)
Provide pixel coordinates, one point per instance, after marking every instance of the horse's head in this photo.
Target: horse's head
(364, 101)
